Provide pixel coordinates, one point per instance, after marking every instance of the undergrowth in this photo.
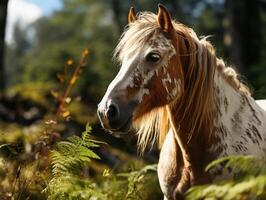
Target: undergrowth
(28, 165)
(69, 161)
(71, 180)
(40, 162)
(248, 183)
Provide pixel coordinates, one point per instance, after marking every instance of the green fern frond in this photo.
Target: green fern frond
(74, 188)
(136, 179)
(249, 184)
(240, 163)
(68, 161)
(230, 190)
(3, 145)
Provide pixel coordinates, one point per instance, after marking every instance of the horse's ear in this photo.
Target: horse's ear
(131, 17)
(164, 19)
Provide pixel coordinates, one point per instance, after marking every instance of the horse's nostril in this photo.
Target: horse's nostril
(112, 112)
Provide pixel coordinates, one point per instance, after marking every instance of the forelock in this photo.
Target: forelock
(136, 35)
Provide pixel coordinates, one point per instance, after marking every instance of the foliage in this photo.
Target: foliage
(24, 147)
(249, 182)
(136, 181)
(68, 83)
(22, 172)
(140, 184)
(68, 162)
(96, 25)
(79, 25)
(70, 181)
(33, 61)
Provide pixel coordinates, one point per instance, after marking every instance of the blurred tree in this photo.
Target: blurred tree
(116, 6)
(80, 24)
(256, 72)
(243, 35)
(97, 24)
(245, 40)
(207, 21)
(3, 15)
(14, 53)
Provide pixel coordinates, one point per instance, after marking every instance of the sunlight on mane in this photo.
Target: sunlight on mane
(151, 127)
(136, 35)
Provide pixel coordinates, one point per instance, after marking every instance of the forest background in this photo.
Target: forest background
(32, 78)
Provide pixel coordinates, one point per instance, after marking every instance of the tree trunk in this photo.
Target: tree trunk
(3, 16)
(243, 33)
(116, 7)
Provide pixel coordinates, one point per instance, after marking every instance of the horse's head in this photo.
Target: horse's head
(147, 78)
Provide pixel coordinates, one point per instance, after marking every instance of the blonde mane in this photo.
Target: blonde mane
(196, 102)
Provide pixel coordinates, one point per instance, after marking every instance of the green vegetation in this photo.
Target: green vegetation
(44, 160)
(71, 180)
(248, 183)
(68, 161)
(55, 78)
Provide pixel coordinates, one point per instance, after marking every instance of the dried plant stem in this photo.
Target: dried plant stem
(72, 81)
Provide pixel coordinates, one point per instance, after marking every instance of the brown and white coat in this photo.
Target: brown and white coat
(172, 87)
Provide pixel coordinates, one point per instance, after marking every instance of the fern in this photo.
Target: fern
(136, 181)
(249, 182)
(73, 187)
(69, 183)
(68, 161)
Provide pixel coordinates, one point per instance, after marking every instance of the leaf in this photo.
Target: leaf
(50, 122)
(61, 78)
(71, 155)
(68, 100)
(140, 177)
(88, 128)
(65, 113)
(69, 62)
(250, 185)
(3, 145)
(73, 80)
(55, 94)
(106, 173)
(85, 52)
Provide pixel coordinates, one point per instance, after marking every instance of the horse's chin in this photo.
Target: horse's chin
(118, 134)
(123, 130)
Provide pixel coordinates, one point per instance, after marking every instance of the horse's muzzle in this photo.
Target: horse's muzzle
(115, 116)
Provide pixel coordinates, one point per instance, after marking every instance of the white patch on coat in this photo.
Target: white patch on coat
(166, 82)
(176, 89)
(142, 92)
(262, 104)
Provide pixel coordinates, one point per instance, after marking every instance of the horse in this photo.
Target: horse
(174, 91)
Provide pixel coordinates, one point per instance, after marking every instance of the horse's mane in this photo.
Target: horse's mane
(198, 97)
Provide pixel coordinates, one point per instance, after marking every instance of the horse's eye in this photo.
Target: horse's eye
(153, 57)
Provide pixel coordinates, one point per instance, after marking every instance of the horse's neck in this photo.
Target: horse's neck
(192, 154)
(227, 100)
(240, 126)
